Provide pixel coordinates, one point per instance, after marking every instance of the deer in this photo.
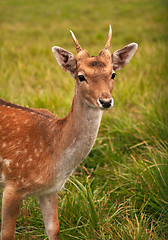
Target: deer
(38, 151)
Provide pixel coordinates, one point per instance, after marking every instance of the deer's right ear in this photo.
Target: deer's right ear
(65, 59)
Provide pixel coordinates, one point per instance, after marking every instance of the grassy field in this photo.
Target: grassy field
(121, 190)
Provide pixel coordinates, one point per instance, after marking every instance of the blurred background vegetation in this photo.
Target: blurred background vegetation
(121, 190)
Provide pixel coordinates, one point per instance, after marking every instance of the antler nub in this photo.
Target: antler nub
(78, 47)
(107, 46)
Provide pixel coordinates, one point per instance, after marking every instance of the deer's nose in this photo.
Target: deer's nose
(106, 102)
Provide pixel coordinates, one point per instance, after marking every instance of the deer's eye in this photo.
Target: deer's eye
(113, 76)
(81, 78)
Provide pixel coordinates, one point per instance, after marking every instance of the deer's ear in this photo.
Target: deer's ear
(65, 59)
(121, 57)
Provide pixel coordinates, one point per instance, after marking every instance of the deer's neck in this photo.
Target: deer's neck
(84, 121)
(79, 134)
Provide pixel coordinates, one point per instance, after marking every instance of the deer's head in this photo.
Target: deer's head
(95, 75)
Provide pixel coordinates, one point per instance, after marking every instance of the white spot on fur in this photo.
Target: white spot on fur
(13, 132)
(16, 121)
(17, 152)
(22, 180)
(30, 159)
(18, 129)
(26, 121)
(7, 162)
(36, 153)
(4, 145)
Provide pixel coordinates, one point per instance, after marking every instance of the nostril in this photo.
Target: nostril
(101, 101)
(105, 103)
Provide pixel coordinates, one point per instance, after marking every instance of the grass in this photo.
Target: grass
(121, 190)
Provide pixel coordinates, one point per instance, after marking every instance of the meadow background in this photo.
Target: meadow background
(121, 190)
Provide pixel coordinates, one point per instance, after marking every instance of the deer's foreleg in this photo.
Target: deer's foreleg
(10, 209)
(48, 204)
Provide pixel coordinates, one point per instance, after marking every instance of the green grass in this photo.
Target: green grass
(121, 190)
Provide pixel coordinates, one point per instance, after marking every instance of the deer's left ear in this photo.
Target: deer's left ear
(121, 57)
(65, 59)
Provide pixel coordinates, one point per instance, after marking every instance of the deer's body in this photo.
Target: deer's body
(38, 151)
(37, 148)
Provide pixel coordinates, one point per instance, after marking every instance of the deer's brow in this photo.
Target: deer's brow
(97, 64)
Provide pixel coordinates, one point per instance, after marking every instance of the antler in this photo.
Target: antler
(78, 47)
(107, 46)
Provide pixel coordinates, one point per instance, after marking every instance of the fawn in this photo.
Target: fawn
(38, 151)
